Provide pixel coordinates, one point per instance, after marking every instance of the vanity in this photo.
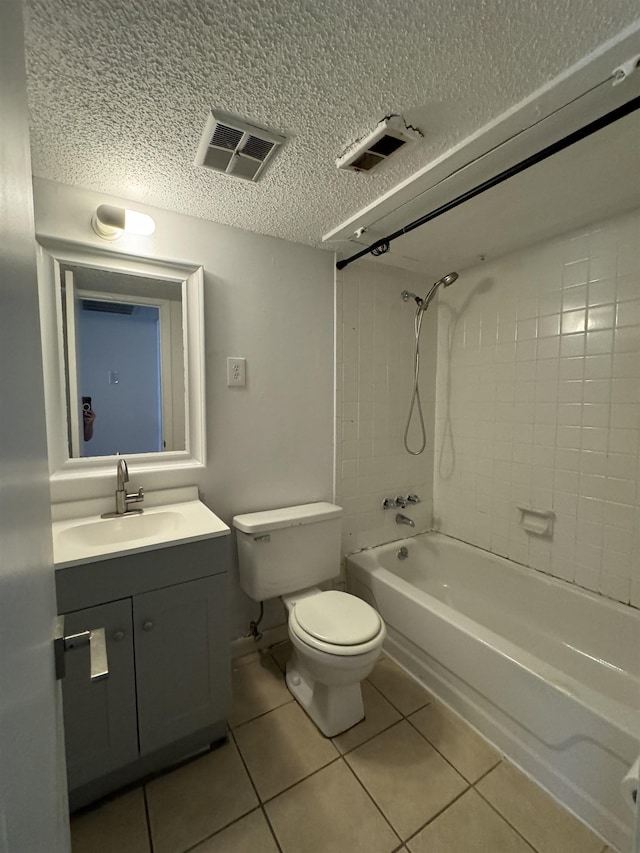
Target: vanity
(156, 583)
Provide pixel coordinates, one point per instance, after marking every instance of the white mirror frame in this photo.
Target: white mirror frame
(51, 254)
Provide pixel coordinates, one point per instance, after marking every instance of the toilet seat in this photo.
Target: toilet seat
(336, 623)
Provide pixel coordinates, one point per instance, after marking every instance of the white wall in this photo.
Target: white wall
(538, 402)
(271, 443)
(374, 379)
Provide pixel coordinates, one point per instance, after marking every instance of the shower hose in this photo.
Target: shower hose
(415, 397)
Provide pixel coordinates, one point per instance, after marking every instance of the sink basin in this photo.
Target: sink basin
(129, 528)
(89, 539)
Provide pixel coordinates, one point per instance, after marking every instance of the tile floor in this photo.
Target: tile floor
(411, 777)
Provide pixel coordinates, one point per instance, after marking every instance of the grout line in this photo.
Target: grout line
(148, 817)
(304, 779)
(508, 822)
(442, 811)
(362, 785)
(262, 714)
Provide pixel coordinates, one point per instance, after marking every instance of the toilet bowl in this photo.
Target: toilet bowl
(337, 639)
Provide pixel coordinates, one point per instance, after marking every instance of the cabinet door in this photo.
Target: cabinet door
(182, 660)
(100, 716)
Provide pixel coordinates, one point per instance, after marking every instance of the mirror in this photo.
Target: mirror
(123, 358)
(124, 362)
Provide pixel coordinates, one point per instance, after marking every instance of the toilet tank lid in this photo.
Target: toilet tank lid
(288, 516)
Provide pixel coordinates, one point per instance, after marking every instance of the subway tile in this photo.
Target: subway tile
(598, 366)
(615, 587)
(599, 343)
(573, 368)
(596, 391)
(602, 317)
(594, 438)
(571, 345)
(575, 273)
(627, 339)
(620, 490)
(602, 292)
(574, 298)
(595, 415)
(573, 321)
(626, 287)
(593, 462)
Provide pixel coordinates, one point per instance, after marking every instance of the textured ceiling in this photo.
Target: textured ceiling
(120, 91)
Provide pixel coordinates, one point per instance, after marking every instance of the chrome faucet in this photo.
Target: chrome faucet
(404, 519)
(122, 498)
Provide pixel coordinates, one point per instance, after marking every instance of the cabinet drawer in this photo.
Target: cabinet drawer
(131, 574)
(100, 716)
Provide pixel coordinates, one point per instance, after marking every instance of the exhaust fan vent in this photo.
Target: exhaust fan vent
(391, 135)
(234, 147)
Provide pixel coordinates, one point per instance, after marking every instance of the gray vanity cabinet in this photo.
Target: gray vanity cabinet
(180, 671)
(167, 693)
(100, 717)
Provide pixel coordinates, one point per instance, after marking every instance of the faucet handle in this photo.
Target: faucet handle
(388, 503)
(136, 496)
(401, 502)
(413, 499)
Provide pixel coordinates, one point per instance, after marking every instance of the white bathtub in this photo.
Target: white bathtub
(546, 671)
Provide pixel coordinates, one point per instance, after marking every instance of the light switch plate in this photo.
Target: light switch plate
(236, 371)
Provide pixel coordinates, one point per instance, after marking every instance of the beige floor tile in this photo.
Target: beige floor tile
(468, 826)
(281, 748)
(281, 654)
(250, 833)
(257, 686)
(407, 778)
(191, 803)
(117, 826)
(379, 715)
(467, 751)
(330, 813)
(398, 687)
(539, 818)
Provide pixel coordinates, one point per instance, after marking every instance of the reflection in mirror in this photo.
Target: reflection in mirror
(124, 362)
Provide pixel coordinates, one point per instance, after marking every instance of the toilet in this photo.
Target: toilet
(336, 637)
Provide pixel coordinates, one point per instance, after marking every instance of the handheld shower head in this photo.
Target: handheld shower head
(448, 279)
(445, 280)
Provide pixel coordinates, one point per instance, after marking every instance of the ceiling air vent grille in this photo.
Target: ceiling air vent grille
(391, 135)
(234, 147)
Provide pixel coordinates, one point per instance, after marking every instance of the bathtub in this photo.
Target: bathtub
(548, 672)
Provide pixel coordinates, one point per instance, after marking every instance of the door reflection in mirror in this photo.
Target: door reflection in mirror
(124, 362)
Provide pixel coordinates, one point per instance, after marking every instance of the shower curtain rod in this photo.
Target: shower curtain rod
(543, 154)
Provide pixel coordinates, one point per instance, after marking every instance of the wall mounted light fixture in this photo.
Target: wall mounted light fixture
(111, 222)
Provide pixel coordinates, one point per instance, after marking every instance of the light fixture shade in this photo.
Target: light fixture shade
(110, 222)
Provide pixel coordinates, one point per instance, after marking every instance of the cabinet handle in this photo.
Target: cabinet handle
(118, 635)
(147, 626)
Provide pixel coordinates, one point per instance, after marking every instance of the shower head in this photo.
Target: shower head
(447, 279)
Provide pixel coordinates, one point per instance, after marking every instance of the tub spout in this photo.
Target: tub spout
(404, 519)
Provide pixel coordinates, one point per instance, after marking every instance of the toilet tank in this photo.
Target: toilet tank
(284, 550)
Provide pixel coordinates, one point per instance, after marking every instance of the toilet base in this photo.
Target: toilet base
(333, 708)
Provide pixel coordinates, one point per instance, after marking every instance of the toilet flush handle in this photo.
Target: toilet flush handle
(264, 538)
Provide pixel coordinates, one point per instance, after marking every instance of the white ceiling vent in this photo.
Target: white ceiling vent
(391, 134)
(234, 147)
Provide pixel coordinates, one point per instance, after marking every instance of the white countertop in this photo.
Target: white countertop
(171, 517)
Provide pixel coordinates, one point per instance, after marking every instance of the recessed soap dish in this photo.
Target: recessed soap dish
(537, 521)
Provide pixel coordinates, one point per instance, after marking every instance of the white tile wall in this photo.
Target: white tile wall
(538, 402)
(374, 380)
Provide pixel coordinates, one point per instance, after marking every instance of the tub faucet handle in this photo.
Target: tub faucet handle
(401, 502)
(413, 499)
(388, 503)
